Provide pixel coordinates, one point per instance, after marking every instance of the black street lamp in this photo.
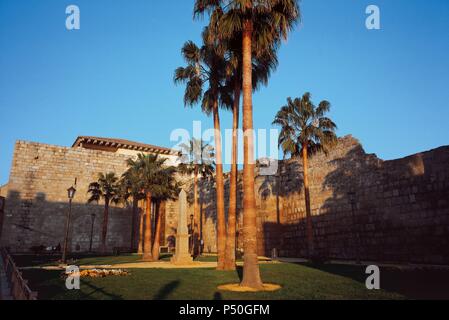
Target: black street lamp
(71, 194)
(91, 231)
(353, 202)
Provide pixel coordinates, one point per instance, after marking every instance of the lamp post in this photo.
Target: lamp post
(353, 202)
(91, 231)
(191, 233)
(71, 194)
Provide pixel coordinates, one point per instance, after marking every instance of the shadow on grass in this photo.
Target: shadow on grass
(98, 290)
(165, 291)
(414, 283)
(218, 296)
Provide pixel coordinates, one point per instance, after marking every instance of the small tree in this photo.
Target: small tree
(168, 189)
(106, 188)
(304, 131)
(196, 158)
(131, 183)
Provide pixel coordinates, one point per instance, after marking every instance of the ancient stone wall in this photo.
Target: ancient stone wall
(37, 204)
(401, 211)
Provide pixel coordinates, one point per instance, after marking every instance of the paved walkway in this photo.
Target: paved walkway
(4, 287)
(146, 265)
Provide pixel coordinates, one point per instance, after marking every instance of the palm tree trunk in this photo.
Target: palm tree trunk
(147, 256)
(221, 224)
(141, 232)
(230, 240)
(157, 233)
(202, 224)
(196, 214)
(134, 224)
(104, 231)
(251, 272)
(309, 227)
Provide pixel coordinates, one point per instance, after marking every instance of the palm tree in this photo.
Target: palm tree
(304, 131)
(132, 188)
(263, 24)
(206, 174)
(196, 158)
(206, 65)
(168, 189)
(262, 67)
(151, 169)
(107, 188)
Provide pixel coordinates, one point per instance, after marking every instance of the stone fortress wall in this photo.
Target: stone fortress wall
(401, 211)
(37, 203)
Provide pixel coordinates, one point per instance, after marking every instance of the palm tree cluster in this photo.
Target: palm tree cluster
(238, 54)
(148, 178)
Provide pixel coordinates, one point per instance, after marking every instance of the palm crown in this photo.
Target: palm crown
(272, 19)
(106, 187)
(205, 65)
(131, 181)
(196, 155)
(304, 125)
(155, 177)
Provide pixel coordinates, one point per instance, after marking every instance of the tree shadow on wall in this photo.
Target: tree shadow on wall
(287, 182)
(39, 222)
(389, 196)
(335, 231)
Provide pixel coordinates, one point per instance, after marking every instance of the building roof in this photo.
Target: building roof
(121, 144)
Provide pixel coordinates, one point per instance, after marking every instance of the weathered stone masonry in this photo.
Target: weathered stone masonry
(37, 204)
(401, 212)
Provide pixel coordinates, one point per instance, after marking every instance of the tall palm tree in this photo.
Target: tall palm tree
(107, 188)
(263, 24)
(305, 130)
(262, 66)
(196, 157)
(206, 66)
(132, 186)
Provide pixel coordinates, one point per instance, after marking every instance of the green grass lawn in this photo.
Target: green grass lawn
(298, 282)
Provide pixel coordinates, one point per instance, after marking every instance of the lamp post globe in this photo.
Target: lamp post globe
(71, 193)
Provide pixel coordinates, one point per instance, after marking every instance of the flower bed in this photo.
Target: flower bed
(99, 273)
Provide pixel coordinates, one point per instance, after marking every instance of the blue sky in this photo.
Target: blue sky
(113, 77)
